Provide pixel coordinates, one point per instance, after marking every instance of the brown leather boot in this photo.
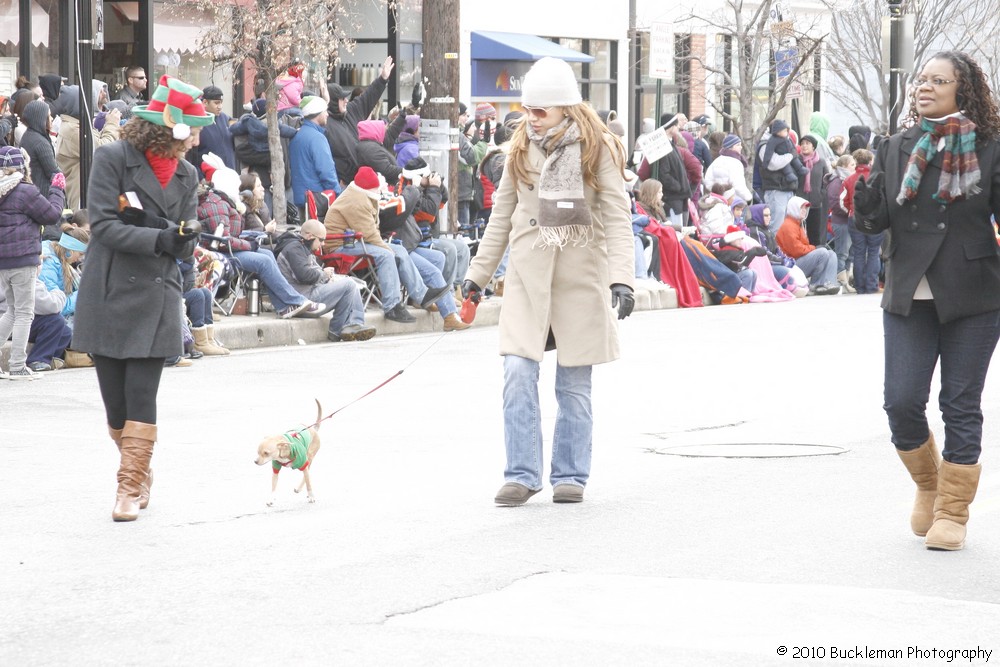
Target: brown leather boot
(922, 463)
(116, 435)
(454, 323)
(956, 486)
(137, 450)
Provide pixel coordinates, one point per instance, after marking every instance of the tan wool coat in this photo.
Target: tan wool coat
(567, 289)
(354, 209)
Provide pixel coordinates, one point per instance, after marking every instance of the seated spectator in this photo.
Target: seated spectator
(60, 266)
(716, 215)
(758, 228)
(297, 260)
(357, 209)
(198, 304)
(429, 201)
(674, 268)
(257, 217)
(818, 264)
(217, 210)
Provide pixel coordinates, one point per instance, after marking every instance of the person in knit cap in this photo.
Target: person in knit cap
(485, 112)
(357, 209)
(407, 144)
(142, 201)
(297, 262)
(561, 207)
(780, 168)
(310, 160)
(23, 210)
(730, 167)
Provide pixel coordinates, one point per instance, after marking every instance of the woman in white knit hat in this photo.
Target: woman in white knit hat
(562, 209)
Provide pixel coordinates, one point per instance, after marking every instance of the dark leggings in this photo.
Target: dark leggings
(128, 388)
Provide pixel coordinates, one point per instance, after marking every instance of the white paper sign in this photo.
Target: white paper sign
(655, 145)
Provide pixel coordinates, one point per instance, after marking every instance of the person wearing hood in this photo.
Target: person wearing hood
(50, 84)
(342, 122)
(68, 145)
(819, 127)
(407, 145)
(818, 263)
(375, 142)
(758, 229)
(108, 123)
(858, 136)
(23, 211)
(36, 142)
(730, 167)
(297, 261)
(310, 162)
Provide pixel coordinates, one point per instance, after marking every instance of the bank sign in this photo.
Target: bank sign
(498, 78)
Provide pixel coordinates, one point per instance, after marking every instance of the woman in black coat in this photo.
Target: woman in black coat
(934, 186)
(142, 201)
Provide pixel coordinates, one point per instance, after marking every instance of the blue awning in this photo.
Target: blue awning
(515, 46)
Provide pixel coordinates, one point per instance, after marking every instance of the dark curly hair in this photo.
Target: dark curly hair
(144, 136)
(973, 96)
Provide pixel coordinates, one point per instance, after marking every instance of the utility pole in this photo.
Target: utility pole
(895, 19)
(85, 63)
(440, 72)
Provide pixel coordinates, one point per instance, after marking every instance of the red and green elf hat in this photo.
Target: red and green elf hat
(175, 104)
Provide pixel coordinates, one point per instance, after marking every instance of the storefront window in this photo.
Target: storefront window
(600, 69)
(45, 39)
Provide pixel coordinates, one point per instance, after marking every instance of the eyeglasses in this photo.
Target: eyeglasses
(538, 112)
(141, 78)
(933, 83)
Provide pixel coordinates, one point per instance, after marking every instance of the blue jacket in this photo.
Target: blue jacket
(215, 138)
(23, 212)
(312, 164)
(51, 276)
(256, 131)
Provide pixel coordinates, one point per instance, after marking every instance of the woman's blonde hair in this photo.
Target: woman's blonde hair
(26, 173)
(70, 275)
(594, 135)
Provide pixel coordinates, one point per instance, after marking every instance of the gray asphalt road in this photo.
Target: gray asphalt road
(405, 560)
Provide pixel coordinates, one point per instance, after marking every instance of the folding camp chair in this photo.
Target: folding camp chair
(357, 266)
(232, 294)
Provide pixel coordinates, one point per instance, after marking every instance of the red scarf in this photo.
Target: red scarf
(163, 167)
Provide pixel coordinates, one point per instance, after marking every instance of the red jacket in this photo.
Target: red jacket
(862, 170)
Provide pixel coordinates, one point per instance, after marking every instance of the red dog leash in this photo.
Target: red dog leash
(384, 382)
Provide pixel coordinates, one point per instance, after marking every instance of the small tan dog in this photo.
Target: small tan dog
(295, 449)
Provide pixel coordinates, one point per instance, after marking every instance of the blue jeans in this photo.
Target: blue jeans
(841, 245)
(262, 263)
(50, 336)
(429, 263)
(641, 269)
(502, 266)
(913, 346)
(457, 256)
(386, 270)
(345, 298)
(198, 301)
(865, 250)
(572, 440)
(777, 201)
(18, 286)
(820, 267)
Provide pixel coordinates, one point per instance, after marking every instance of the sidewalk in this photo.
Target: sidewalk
(241, 332)
(244, 332)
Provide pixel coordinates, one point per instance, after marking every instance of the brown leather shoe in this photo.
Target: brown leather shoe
(513, 494)
(137, 450)
(567, 493)
(454, 323)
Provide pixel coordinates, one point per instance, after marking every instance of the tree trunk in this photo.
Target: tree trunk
(277, 154)
(440, 71)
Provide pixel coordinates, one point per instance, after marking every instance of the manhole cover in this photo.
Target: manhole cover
(750, 450)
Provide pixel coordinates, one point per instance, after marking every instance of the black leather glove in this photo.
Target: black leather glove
(868, 195)
(140, 218)
(415, 96)
(487, 132)
(470, 288)
(622, 298)
(474, 139)
(178, 245)
(755, 251)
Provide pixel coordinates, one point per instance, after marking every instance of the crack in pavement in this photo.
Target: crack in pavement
(421, 608)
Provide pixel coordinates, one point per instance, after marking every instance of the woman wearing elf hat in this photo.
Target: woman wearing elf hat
(561, 207)
(142, 201)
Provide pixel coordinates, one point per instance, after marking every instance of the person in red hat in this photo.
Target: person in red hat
(142, 200)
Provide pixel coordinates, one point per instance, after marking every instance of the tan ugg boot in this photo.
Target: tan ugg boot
(204, 343)
(137, 450)
(956, 489)
(922, 463)
(454, 323)
(215, 341)
(845, 282)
